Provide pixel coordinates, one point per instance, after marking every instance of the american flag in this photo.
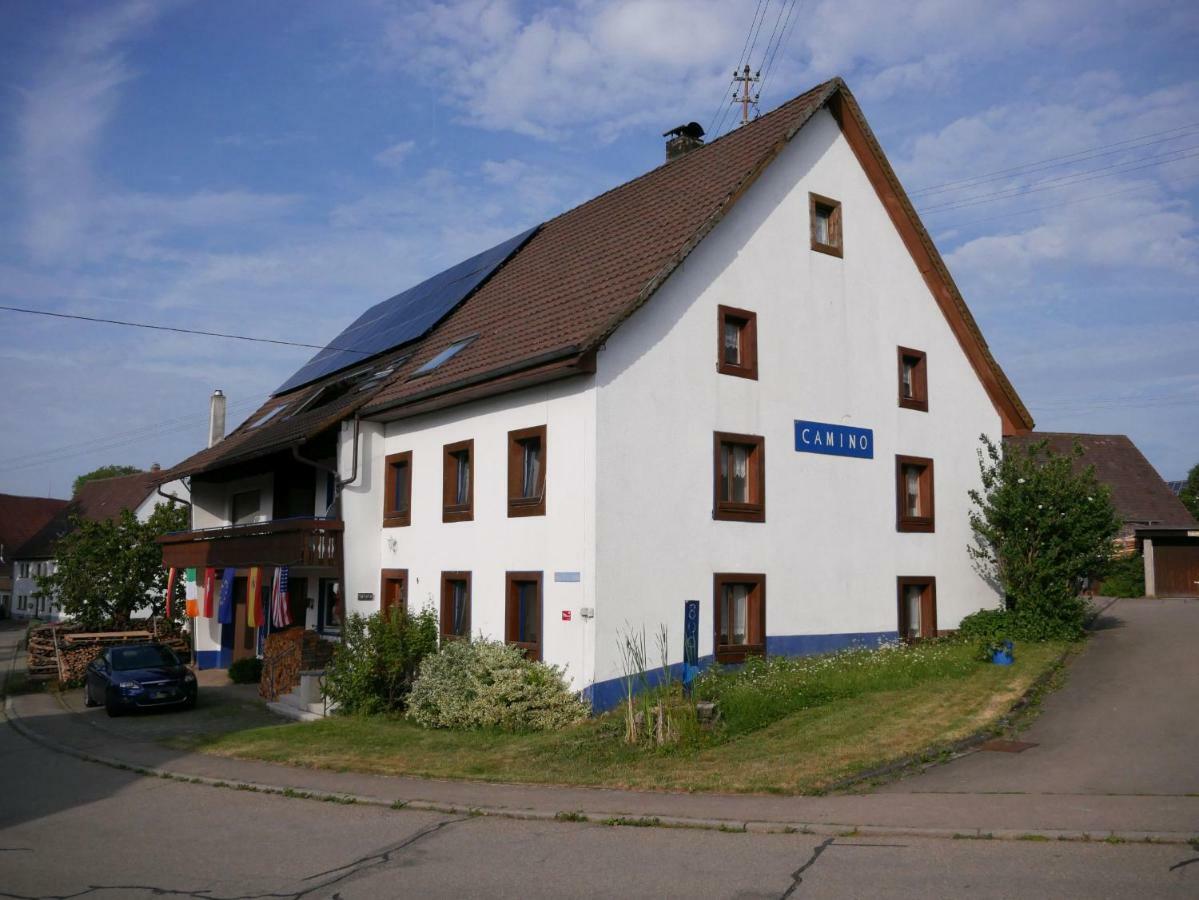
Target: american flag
(280, 613)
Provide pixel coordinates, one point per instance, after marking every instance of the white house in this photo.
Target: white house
(20, 519)
(745, 378)
(98, 500)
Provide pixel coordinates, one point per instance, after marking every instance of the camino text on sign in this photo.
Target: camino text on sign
(834, 440)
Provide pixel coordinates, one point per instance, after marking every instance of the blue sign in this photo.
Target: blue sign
(690, 642)
(834, 440)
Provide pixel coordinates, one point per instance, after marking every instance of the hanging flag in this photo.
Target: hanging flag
(191, 593)
(209, 592)
(170, 588)
(224, 613)
(254, 597)
(280, 611)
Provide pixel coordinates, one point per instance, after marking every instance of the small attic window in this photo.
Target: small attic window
(826, 224)
(444, 356)
(267, 416)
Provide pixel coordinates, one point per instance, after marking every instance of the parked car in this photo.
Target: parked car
(138, 676)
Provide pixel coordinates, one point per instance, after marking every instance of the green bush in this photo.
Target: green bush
(375, 664)
(765, 690)
(487, 684)
(1041, 524)
(1124, 577)
(246, 671)
(993, 626)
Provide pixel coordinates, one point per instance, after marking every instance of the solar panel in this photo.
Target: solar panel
(406, 316)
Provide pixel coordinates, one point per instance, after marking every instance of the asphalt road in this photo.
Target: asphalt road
(76, 829)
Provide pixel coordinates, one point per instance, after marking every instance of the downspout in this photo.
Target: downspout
(341, 483)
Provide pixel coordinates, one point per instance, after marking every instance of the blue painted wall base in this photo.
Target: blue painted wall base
(605, 695)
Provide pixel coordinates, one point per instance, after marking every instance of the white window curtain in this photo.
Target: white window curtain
(913, 594)
(911, 476)
(734, 629)
(732, 343)
(740, 485)
(532, 475)
(463, 494)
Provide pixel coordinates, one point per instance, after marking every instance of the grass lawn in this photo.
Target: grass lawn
(801, 752)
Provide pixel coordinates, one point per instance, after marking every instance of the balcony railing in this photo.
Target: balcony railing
(312, 542)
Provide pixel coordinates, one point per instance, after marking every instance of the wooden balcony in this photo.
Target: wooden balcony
(281, 542)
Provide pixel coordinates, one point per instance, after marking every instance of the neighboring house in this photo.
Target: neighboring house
(98, 500)
(1155, 520)
(728, 380)
(20, 519)
(1176, 486)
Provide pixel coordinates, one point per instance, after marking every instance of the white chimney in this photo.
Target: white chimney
(216, 418)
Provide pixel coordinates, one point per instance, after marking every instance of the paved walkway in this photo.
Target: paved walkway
(1071, 785)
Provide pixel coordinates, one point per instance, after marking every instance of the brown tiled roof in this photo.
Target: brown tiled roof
(1140, 495)
(558, 298)
(99, 500)
(21, 518)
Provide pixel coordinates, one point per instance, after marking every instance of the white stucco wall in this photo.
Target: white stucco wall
(492, 544)
(828, 330)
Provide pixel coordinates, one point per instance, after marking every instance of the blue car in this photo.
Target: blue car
(138, 676)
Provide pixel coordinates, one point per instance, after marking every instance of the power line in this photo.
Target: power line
(938, 188)
(219, 334)
(755, 29)
(1061, 181)
(1033, 209)
(115, 439)
(783, 36)
(740, 61)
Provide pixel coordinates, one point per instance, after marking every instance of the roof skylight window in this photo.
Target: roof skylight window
(444, 356)
(267, 416)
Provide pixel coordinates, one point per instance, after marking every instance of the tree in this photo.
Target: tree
(108, 570)
(1190, 492)
(1040, 526)
(113, 471)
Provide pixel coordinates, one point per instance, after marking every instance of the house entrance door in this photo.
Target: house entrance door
(245, 639)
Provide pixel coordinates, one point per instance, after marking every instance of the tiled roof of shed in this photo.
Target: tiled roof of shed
(99, 500)
(583, 274)
(21, 518)
(1140, 495)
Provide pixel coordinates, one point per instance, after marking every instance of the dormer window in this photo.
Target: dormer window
(826, 224)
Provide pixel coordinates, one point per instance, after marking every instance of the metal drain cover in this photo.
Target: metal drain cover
(999, 745)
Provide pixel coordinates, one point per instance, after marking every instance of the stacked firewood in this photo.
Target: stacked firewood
(63, 651)
(288, 653)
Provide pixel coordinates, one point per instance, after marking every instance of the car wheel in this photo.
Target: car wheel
(87, 695)
(113, 709)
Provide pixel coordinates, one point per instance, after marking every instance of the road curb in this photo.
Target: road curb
(825, 829)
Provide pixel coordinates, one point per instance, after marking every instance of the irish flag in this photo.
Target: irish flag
(191, 592)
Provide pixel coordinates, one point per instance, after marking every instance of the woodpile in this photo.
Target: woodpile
(63, 650)
(288, 653)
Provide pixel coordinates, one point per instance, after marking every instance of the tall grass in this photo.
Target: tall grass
(763, 691)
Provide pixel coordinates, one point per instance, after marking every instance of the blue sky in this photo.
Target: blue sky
(273, 168)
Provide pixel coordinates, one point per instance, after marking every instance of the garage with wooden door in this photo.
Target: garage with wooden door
(1171, 562)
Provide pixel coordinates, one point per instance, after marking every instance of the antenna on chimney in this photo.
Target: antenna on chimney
(745, 79)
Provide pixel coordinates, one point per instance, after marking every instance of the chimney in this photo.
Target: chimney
(683, 139)
(216, 418)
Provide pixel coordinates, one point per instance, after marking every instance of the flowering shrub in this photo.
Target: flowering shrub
(487, 684)
(765, 690)
(374, 665)
(1040, 526)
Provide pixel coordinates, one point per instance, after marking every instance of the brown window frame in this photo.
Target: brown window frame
(755, 616)
(919, 398)
(928, 606)
(731, 511)
(926, 521)
(451, 510)
(396, 518)
(836, 247)
(748, 367)
(446, 616)
(390, 575)
(512, 612)
(518, 504)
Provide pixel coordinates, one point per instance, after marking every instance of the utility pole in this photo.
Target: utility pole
(746, 101)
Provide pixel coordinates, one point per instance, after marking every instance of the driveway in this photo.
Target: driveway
(1125, 723)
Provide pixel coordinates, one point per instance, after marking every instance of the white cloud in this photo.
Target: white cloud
(394, 156)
